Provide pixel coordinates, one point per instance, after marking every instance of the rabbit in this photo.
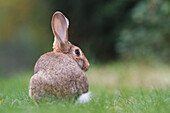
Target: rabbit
(60, 73)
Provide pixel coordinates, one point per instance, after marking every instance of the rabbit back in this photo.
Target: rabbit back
(59, 75)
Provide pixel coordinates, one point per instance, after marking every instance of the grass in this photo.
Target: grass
(139, 87)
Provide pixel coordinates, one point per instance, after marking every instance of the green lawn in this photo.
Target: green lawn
(142, 87)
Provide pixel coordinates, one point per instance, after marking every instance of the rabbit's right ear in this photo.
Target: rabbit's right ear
(59, 25)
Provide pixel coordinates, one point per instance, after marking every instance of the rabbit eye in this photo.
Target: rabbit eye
(77, 52)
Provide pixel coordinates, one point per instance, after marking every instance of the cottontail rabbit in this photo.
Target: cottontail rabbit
(60, 73)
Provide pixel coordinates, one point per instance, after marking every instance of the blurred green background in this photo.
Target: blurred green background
(127, 43)
(106, 30)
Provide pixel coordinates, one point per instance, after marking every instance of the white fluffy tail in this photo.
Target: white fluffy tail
(84, 98)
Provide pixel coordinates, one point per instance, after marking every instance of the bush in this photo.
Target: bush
(147, 33)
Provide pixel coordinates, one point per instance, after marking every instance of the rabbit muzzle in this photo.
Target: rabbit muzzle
(84, 64)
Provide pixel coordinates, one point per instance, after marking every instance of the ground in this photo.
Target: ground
(122, 86)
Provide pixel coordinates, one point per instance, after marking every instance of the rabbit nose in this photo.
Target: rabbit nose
(86, 67)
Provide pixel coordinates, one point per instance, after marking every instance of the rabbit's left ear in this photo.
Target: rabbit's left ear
(60, 26)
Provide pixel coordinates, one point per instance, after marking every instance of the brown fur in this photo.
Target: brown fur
(59, 73)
